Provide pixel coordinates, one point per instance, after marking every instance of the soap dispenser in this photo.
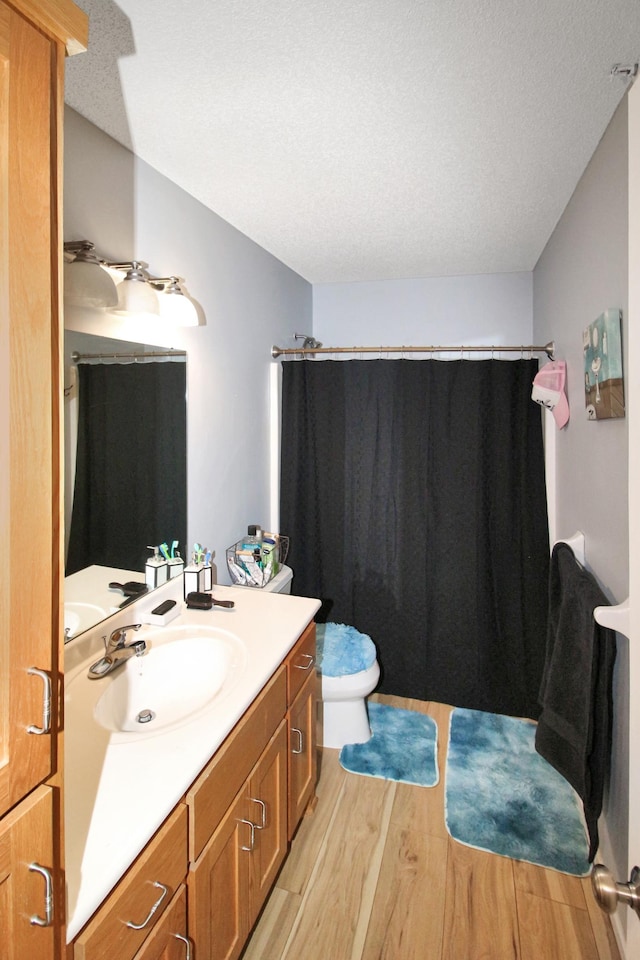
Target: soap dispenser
(156, 570)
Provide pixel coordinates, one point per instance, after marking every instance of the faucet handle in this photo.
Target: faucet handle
(119, 635)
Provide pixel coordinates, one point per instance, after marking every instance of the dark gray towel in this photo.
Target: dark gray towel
(574, 728)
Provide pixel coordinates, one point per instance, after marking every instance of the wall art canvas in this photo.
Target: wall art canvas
(603, 380)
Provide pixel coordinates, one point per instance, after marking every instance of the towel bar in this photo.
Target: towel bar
(576, 542)
(616, 617)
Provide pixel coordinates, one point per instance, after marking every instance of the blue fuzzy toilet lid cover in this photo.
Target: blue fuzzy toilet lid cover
(343, 650)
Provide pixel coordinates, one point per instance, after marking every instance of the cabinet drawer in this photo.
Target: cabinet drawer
(215, 788)
(162, 862)
(301, 662)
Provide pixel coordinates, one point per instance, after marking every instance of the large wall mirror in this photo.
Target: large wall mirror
(125, 468)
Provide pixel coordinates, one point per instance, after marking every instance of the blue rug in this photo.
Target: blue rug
(403, 747)
(502, 796)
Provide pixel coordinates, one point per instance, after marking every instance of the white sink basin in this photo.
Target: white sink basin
(184, 670)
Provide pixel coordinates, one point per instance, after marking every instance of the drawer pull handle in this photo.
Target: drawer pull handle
(305, 666)
(46, 702)
(140, 926)
(179, 936)
(48, 897)
(252, 842)
(300, 740)
(263, 811)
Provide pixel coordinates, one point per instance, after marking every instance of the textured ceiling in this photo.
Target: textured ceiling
(364, 139)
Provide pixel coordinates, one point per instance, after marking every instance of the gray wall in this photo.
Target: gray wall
(475, 310)
(583, 271)
(250, 301)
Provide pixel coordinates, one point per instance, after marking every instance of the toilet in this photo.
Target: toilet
(350, 672)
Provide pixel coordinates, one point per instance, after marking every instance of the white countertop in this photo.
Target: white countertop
(117, 794)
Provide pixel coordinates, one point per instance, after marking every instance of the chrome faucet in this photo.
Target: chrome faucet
(117, 650)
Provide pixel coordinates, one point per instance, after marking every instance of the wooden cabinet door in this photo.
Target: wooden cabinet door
(168, 940)
(267, 809)
(218, 908)
(28, 459)
(302, 751)
(28, 910)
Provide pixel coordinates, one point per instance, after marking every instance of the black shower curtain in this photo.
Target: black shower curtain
(413, 493)
(130, 486)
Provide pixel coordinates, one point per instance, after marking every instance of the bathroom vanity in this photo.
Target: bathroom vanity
(174, 836)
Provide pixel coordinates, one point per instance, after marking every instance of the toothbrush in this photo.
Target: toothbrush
(198, 553)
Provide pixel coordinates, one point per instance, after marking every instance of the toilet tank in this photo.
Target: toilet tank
(281, 583)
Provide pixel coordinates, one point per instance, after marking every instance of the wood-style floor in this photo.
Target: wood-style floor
(372, 873)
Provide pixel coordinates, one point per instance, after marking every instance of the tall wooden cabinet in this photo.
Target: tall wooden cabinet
(34, 37)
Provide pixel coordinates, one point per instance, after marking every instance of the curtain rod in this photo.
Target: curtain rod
(79, 357)
(549, 349)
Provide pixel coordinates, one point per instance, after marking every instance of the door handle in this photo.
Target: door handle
(308, 664)
(609, 893)
(300, 748)
(263, 813)
(141, 926)
(47, 920)
(252, 841)
(46, 702)
(187, 944)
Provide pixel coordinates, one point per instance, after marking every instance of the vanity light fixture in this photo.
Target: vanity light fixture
(85, 282)
(175, 306)
(135, 294)
(132, 295)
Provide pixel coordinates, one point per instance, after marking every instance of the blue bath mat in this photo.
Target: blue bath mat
(502, 796)
(403, 747)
